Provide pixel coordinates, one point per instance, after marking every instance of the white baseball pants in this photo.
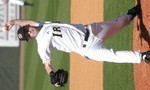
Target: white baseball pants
(102, 31)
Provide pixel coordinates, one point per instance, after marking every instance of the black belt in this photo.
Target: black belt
(87, 33)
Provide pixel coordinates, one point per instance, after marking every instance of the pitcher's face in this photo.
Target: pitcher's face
(30, 32)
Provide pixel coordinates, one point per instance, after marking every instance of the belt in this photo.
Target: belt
(87, 33)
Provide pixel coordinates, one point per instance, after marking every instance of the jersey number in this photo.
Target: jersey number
(57, 32)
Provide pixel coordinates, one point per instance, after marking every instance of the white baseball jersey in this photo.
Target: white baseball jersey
(59, 36)
(70, 38)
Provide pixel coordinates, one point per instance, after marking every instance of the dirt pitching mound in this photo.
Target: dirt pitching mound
(141, 41)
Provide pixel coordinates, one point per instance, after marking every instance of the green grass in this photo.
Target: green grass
(35, 76)
(118, 76)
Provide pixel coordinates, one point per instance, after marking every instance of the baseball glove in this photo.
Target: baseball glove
(60, 77)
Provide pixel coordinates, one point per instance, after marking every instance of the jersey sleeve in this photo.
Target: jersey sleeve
(45, 53)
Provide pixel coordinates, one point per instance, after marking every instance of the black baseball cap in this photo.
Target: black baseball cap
(21, 34)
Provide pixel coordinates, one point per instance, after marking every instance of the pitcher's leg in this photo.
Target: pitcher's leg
(109, 55)
(104, 30)
(126, 56)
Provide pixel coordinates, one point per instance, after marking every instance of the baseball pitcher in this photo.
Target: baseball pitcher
(87, 40)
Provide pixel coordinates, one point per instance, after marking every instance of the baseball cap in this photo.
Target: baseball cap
(21, 34)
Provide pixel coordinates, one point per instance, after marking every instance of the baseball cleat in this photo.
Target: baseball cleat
(134, 11)
(146, 56)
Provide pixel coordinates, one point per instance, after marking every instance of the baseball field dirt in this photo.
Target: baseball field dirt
(141, 41)
(85, 74)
